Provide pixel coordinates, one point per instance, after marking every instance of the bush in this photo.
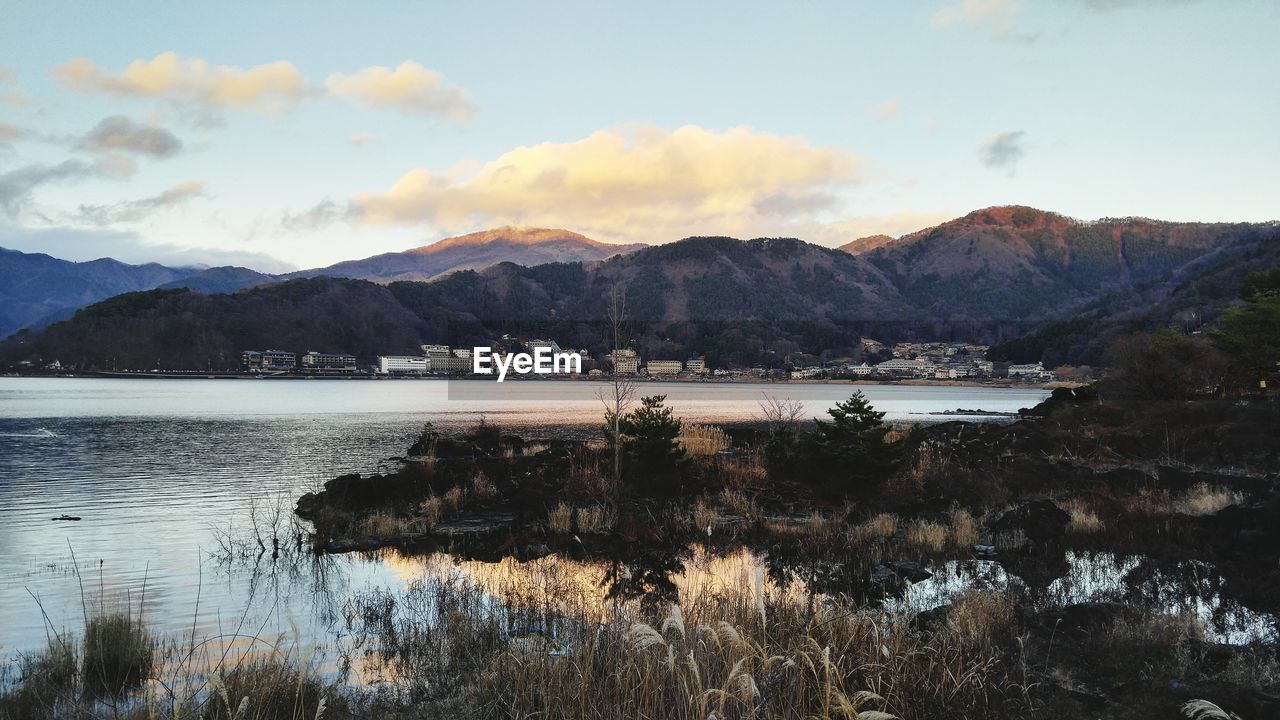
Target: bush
(651, 453)
(118, 654)
(850, 452)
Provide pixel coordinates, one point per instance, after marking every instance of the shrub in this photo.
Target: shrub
(118, 654)
(650, 451)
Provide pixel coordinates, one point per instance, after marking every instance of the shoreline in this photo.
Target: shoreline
(912, 382)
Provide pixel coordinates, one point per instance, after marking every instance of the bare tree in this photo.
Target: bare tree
(781, 412)
(617, 399)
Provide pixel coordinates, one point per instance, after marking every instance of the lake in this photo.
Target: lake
(159, 469)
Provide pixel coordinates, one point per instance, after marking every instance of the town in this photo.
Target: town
(903, 361)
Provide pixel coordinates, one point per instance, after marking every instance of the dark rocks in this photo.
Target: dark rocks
(1040, 521)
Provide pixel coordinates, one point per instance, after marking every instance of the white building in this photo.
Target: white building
(402, 365)
(697, 365)
(664, 367)
(859, 370)
(1026, 371)
(624, 361)
(917, 367)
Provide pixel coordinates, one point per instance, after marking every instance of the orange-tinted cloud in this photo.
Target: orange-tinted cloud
(641, 183)
(410, 87)
(171, 76)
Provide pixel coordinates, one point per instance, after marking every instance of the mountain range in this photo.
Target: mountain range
(38, 289)
(1038, 284)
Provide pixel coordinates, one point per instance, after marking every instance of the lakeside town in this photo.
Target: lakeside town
(903, 361)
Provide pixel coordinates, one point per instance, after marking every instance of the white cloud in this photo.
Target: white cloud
(361, 139)
(203, 90)
(998, 17)
(409, 88)
(1003, 150)
(642, 183)
(190, 80)
(130, 211)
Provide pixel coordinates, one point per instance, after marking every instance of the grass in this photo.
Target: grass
(1203, 499)
(926, 535)
(1084, 521)
(702, 439)
(560, 519)
(119, 654)
(963, 529)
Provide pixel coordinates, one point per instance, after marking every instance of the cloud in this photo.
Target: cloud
(1003, 150)
(321, 215)
(6, 75)
(80, 244)
(409, 88)
(640, 183)
(135, 210)
(119, 133)
(9, 134)
(998, 17)
(16, 185)
(361, 139)
(193, 81)
(886, 110)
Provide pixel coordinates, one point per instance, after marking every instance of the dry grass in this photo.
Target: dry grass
(705, 517)
(383, 524)
(1204, 499)
(981, 619)
(560, 519)
(927, 536)
(748, 473)
(482, 488)
(883, 525)
(702, 439)
(431, 510)
(963, 529)
(1084, 521)
(741, 504)
(595, 520)
(929, 462)
(455, 498)
(535, 448)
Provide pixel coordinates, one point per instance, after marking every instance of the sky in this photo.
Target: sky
(292, 135)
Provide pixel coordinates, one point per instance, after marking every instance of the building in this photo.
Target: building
(533, 345)
(664, 367)
(328, 363)
(624, 361)
(859, 370)
(449, 363)
(983, 367)
(917, 367)
(1033, 370)
(402, 365)
(268, 360)
(697, 365)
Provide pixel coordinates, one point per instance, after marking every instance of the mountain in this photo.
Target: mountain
(37, 289)
(221, 279)
(34, 286)
(183, 329)
(1021, 263)
(522, 246)
(733, 300)
(1037, 284)
(866, 244)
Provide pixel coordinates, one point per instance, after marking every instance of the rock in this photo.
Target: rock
(984, 551)
(1041, 521)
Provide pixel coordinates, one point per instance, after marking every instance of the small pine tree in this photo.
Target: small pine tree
(849, 452)
(652, 455)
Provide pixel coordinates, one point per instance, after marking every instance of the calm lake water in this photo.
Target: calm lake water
(158, 468)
